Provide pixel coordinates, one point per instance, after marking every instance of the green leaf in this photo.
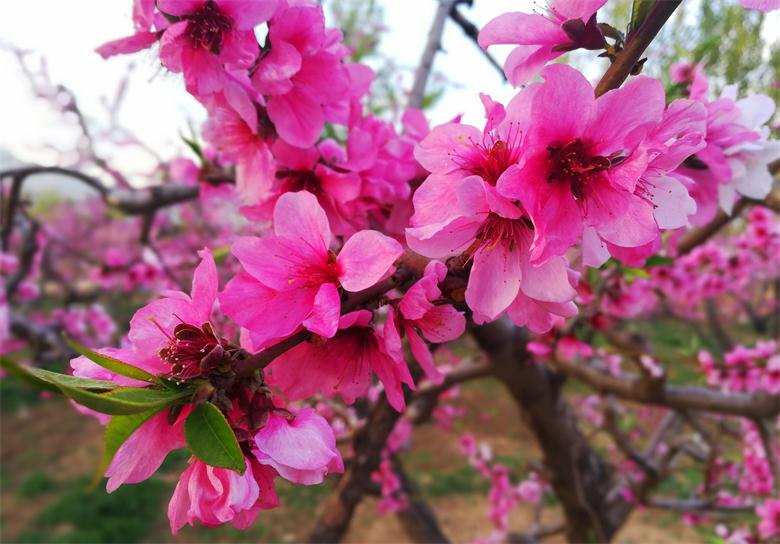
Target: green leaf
(658, 260)
(116, 433)
(640, 9)
(65, 380)
(125, 400)
(211, 439)
(18, 372)
(111, 363)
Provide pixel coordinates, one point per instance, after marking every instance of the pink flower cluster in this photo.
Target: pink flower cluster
(174, 337)
(745, 369)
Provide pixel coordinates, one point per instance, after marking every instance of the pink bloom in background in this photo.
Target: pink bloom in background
(293, 279)
(215, 496)
(416, 311)
(565, 26)
(769, 514)
(737, 152)
(303, 76)
(342, 365)
(302, 449)
(583, 162)
(210, 34)
(234, 130)
(691, 75)
(763, 5)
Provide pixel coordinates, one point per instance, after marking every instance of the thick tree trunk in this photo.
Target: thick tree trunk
(581, 480)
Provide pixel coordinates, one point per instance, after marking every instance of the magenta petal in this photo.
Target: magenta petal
(267, 313)
(204, 286)
(365, 258)
(324, 318)
(275, 70)
(625, 115)
(131, 44)
(143, 453)
(522, 29)
(548, 282)
(179, 8)
(526, 61)
(298, 118)
(422, 355)
(247, 14)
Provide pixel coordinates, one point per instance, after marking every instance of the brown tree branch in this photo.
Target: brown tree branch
(423, 72)
(635, 46)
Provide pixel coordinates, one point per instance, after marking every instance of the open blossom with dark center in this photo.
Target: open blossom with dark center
(293, 278)
(342, 365)
(541, 37)
(583, 162)
(210, 34)
(205, 37)
(458, 210)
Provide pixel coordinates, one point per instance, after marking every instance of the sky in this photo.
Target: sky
(157, 108)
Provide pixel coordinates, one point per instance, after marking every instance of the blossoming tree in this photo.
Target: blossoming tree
(307, 273)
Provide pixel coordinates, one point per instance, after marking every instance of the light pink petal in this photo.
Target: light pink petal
(365, 258)
(254, 175)
(299, 372)
(621, 218)
(547, 282)
(417, 300)
(442, 323)
(526, 61)
(671, 201)
(300, 218)
(301, 450)
(439, 152)
(763, 5)
(594, 251)
(494, 281)
(324, 318)
(392, 337)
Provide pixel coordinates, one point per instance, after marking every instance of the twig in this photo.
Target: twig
(471, 30)
(636, 44)
(423, 71)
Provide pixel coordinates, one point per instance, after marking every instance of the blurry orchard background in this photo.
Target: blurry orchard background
(48, 451)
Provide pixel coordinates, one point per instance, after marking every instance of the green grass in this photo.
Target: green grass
(86, 515)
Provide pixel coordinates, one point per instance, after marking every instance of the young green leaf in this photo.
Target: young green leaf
(640, 9)
(125, 400)
(59, 380)
(211, 439)
(111, 363)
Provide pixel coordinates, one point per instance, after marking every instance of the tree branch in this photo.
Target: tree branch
(635, 46)
(423, 71)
